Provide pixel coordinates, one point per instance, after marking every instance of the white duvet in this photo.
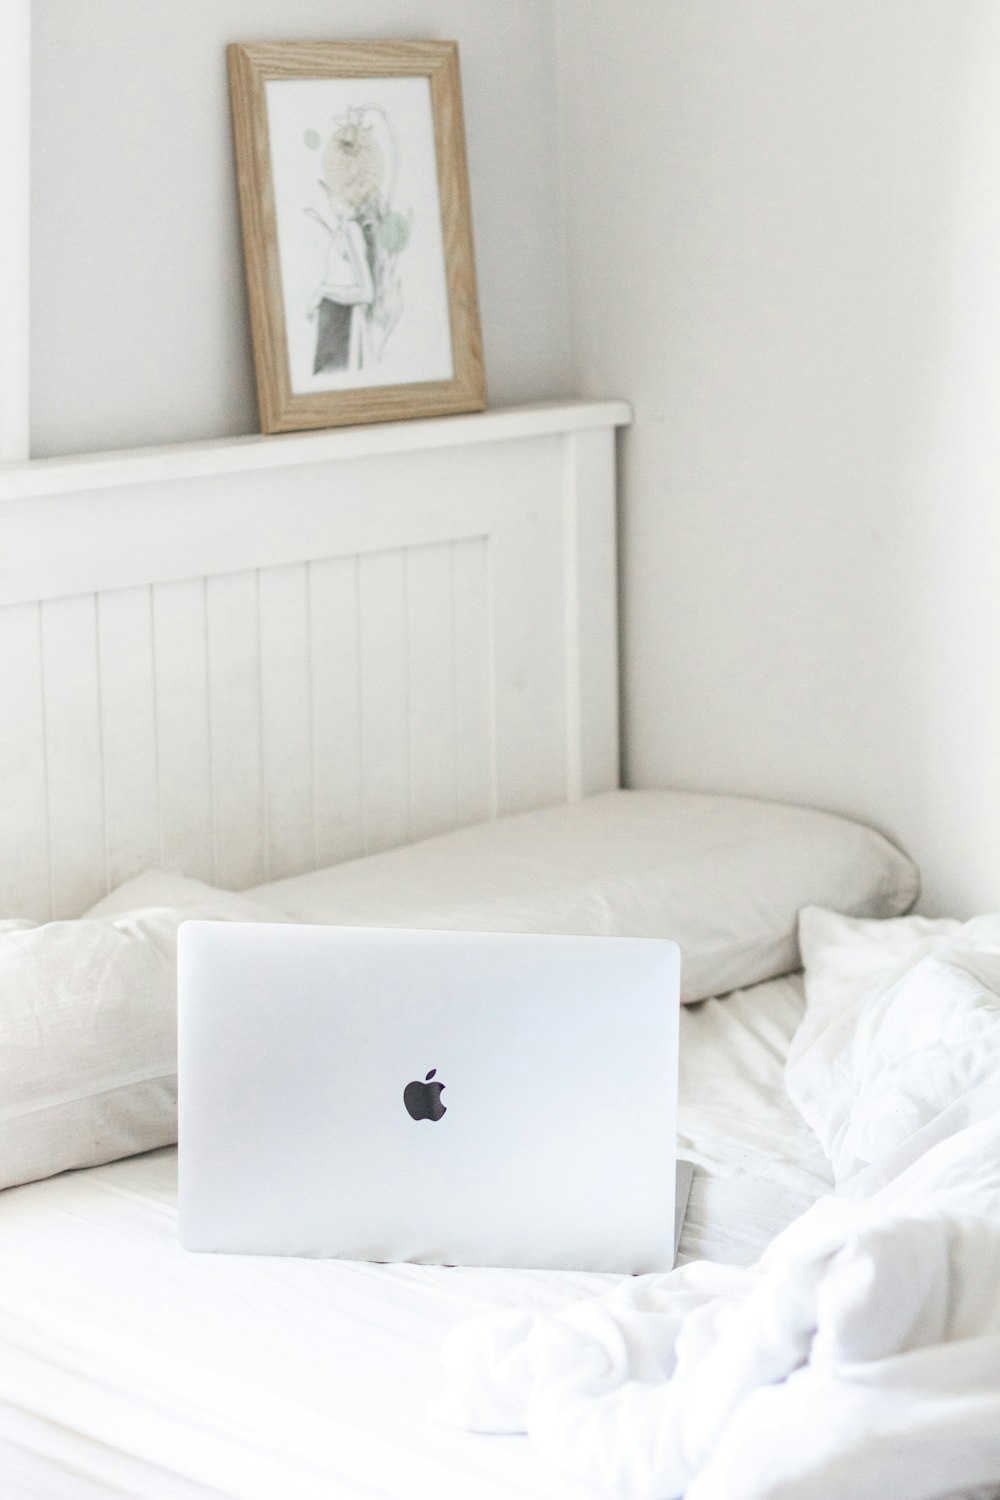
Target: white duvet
(860, 1356)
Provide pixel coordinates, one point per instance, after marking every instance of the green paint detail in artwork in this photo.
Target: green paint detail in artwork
(311, 139)
(394, 232)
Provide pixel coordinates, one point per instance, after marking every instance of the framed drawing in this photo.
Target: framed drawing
(354, 196)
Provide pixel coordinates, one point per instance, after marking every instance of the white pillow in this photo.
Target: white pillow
(88, 1036)
(902, 1019)
(724, 877)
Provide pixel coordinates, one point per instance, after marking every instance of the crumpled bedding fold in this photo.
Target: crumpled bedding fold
(860, 1356)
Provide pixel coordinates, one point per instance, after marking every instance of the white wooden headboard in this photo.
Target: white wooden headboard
(250, 658)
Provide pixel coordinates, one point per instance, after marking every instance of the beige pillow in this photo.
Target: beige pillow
(725, 877)
(88, 1036)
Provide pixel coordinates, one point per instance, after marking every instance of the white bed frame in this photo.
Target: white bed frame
(246, 659)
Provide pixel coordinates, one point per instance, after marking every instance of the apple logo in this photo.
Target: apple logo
(423, 1100)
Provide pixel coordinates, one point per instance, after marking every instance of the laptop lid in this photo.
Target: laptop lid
(449, 1097)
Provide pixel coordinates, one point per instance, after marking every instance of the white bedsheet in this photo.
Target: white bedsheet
(129, 1368)
(759, 1164)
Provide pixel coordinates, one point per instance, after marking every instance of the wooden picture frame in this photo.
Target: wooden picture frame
(357, 231)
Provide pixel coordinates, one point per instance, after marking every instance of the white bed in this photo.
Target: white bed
(137, 1369)
(300, 651)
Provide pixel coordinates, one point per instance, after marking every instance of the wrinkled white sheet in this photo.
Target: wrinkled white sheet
(759, 1164)
(902, 1018)
(131, 1369)
(860, 1357)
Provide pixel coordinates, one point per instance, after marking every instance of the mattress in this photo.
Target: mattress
(130, 1368)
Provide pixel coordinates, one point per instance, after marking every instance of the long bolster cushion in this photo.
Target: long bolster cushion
(725, 877)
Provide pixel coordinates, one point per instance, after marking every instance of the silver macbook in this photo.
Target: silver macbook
(459, 1098)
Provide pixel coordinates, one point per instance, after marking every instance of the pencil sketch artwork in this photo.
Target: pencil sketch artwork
(359, 300)
(359, 232)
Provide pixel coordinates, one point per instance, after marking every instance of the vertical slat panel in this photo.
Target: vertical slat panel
(528, 629)
(432, 727)
(382, 613)
(183, 731)
(75, 772)
(128, 731)
(235, 729)
(24, 836)
(338, 779)
(475, 768)
(285, 677)
(256, 723)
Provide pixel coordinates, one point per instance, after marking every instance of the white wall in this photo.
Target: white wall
(784, 231)
(15, 239)
(782, 220)
(139, 325)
